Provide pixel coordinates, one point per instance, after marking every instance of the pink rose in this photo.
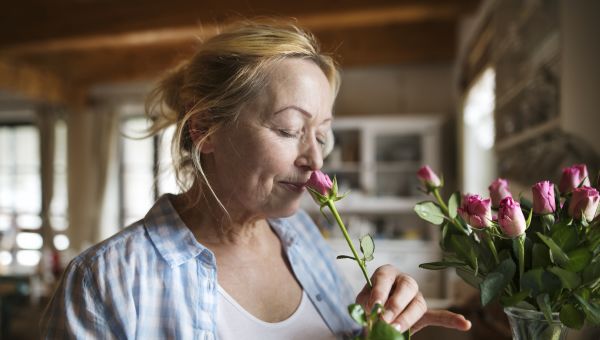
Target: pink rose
(543, 198)
(428, 177)
(584, 201)
(476, 211)
(510, 217)
(572, 177)
(320, 182)
(499, 191)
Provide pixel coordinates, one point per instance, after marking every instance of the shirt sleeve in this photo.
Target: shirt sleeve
(75, 310)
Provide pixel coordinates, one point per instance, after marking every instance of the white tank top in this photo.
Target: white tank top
(234, 322)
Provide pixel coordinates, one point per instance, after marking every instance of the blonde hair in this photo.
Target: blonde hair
(226, 71)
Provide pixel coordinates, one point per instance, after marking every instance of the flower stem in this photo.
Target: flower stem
(337, 217)
(519, 250)
(446, 212)
(436, 193)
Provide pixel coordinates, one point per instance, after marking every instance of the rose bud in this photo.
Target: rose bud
(498, 191)
(320, 182)
(476, 211)
(510, 217)
(543, 198)
(572, 177)
(428, 177)
(584, 201)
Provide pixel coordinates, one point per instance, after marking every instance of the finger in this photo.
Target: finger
(363, 297)
(405, 291)
(442, 318)
(383, 280)
(415, 310)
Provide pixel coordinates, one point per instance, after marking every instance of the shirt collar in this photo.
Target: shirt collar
(172, 238)
(284, 229)
(177, 244)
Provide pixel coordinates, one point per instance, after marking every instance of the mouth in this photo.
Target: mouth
(294, 186)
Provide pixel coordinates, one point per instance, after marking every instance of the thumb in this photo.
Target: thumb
(442, 318)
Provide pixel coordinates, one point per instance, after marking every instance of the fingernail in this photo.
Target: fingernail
(387, 316)
(397, 327)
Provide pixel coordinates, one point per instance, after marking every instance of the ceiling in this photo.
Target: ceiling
(57, 50)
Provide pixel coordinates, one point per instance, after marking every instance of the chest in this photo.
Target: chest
(264, 286)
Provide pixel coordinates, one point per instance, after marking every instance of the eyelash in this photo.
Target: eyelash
(288, 134)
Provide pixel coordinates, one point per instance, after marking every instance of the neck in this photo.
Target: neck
(210, 224)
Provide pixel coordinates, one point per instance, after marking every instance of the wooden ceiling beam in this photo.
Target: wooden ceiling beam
(36, 84)
(75, 25)
(354, 47)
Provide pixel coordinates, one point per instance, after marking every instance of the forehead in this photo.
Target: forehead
(296, 82)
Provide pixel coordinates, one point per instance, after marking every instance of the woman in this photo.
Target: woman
(233, 257)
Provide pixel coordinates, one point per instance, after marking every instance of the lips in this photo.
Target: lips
(293, 186)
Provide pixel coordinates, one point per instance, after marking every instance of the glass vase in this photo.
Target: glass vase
(532, 325)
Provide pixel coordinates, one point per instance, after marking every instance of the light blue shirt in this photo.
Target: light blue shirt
(154, 280)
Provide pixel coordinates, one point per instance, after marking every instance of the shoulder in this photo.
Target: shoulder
(121, 249)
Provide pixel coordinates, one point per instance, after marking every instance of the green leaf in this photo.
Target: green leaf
(565, 236)
(495, 282)
(382, 330)
(579, 259)
(568, 279)
(463, 247)
(375, 311)
(339, 257)
(592, 311)
(358, 314)
(441, 265)
(367, 247)
(543, 301)
(591, 273)
(571, 317)
(540, 281)
(558, 255)
(469, 277)
(528, 221)
(453, 203)
(508, 301)
(540, 256)
(430, 212)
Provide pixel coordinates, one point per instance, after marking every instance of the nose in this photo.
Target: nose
(310, 156)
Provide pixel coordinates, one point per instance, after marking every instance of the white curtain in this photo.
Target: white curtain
(92, 137)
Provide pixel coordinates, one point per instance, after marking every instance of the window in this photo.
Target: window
(479, 163)
(59, 204)
(145, 168)
(20, 195)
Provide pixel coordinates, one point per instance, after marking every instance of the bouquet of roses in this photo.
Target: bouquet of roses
(541, 255)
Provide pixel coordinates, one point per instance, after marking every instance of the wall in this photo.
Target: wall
(419, 88)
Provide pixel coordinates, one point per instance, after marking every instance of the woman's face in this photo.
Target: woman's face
(260, 164)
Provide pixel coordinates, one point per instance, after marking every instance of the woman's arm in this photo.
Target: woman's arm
(75, 310)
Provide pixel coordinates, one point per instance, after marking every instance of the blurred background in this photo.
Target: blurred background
(476, 89)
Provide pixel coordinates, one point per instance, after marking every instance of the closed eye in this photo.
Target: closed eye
(287, 134)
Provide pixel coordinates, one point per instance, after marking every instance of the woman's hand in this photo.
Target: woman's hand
(404, 304)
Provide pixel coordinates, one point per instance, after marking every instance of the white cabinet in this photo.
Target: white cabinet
(375, 160)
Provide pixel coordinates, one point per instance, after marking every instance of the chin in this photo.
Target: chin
(286, 211)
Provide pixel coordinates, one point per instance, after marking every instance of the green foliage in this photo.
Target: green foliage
(430, 212)
(553, 268)
(367, 247)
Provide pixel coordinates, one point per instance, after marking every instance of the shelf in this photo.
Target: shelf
(397, 166)
(342, 167)
(545, 54)
(528, 134)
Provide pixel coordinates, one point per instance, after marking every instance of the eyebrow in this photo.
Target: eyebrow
(301, 110)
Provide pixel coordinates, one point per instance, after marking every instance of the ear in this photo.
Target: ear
(199, 134)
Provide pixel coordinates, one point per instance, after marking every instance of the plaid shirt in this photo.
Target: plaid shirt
(153, 280)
